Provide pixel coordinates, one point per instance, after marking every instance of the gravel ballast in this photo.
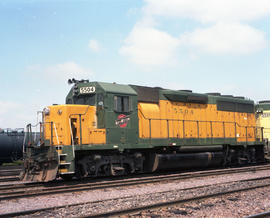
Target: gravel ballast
(233, 205)
(143, 194)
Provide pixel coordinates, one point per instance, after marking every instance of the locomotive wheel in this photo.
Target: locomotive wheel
(80, 173)
(67, 177)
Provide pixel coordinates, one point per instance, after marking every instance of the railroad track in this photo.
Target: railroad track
(260, 215)
(7, 167)
(9, 178)
(10, 173)
(138, 209)
(15, 191)
(247, 184)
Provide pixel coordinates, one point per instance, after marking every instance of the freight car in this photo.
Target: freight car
(11, 145)
(263, 121)
(111, 129)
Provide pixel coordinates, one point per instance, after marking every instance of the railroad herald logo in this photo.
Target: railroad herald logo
(122, 120)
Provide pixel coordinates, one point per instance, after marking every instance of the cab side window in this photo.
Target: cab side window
(100, 100)
(122, 104)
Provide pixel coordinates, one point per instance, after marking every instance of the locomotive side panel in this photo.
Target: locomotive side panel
(204, 123)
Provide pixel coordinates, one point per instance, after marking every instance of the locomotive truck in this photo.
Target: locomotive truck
(107, 129)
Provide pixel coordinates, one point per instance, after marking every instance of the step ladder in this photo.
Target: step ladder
(63, 164)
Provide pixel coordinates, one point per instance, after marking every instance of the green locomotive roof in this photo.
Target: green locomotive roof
(117, 88)
(154, 94)
(185, 96)
(215, 99)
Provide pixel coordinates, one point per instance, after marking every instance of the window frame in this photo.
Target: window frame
(85, 99)
(121, 105)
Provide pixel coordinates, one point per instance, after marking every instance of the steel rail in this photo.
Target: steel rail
(10, 170)
(169, 175)
(118, 183)
(259, 215)
(133, 210)
(9, 173)
(9, 178)
(10, 167)
(141, 208)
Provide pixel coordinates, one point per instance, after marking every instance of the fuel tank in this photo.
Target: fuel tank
(187, 160)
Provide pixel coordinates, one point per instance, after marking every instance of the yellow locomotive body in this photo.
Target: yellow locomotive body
(73, 124)
(263, 121)
(191, 120)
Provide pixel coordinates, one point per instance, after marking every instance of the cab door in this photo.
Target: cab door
(124, 129)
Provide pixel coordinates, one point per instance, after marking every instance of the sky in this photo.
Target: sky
(200, 45)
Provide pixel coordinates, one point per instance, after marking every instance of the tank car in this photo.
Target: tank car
(11, 145)
(12, 142)
(109, 129)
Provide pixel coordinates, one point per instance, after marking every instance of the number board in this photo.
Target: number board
(87, 90)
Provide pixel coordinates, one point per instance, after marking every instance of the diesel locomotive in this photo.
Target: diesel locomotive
(263, 121)
(109, 129)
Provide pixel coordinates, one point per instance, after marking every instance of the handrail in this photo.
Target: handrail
(56, 133)
(236, 124)
(53, 129)
(214, 121)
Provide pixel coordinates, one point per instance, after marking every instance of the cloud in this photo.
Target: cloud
(68, 70)
(223, 29)
(94, 45)
(59, 72)
(6, 106)
(149, 46)
(20, 115)
(209, 10)
(48, 86)
(225, 38)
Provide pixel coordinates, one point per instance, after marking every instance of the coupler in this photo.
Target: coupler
(40, 164)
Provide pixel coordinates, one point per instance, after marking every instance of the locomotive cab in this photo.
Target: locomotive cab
(96, 116)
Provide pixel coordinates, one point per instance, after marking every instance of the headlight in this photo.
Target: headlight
(46, 111)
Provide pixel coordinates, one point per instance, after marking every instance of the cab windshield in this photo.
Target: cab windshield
(85, 99)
